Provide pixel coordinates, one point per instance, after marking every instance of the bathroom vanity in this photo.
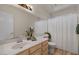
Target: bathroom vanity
(38, 47)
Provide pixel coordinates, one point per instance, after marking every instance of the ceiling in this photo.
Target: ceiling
(45, 10)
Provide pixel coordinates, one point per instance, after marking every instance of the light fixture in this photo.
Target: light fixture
(27, 6)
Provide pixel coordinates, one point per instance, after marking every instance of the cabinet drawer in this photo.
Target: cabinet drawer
(34, 48)
(37, 52)
(25, 52)
(45, 43)
(45, 48)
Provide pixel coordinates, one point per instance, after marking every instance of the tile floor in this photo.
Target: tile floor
(61, 52)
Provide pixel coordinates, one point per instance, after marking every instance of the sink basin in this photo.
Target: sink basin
(19, 45)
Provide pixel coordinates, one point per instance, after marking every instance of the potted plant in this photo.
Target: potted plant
(49, 35)
(30, 34)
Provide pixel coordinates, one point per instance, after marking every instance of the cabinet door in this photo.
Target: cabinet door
(45, 48)
(34, 48)
(37, 52)
(45, 43)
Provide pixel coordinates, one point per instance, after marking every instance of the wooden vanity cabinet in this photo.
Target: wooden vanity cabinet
(35, 48)
(45, 48)
(39, 49)
(37, 52)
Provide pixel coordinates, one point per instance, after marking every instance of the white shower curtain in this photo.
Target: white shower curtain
(63, 31)
(70, 22)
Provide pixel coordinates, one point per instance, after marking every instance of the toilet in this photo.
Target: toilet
(51, 47)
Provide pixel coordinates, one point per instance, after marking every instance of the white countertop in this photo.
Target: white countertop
(6, 49)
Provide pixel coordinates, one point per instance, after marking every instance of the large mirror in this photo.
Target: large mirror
(6, 26)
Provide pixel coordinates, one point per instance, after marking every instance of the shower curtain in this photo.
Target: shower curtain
(63, 31)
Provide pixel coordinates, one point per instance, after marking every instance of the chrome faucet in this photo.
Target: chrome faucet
(19, 40)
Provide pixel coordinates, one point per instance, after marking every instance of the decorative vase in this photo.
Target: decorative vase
(28, 38)
(33, 38)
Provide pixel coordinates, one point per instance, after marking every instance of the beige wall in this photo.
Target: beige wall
(22, 19)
